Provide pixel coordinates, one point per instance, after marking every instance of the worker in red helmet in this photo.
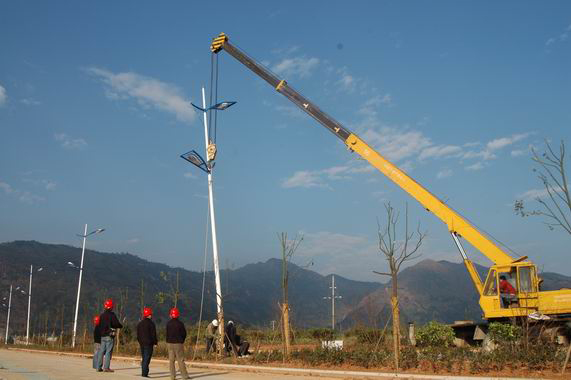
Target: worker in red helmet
(147, 338)
(175, 337)
(108, 324)
(97, 342)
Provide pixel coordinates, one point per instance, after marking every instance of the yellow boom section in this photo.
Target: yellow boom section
(456, 224)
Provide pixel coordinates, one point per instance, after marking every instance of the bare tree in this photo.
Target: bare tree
(174, 292)
(396, 253)
(557, 196)
(288, 248)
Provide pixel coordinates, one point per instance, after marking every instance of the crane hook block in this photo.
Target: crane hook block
(211, 152)
(218, 42)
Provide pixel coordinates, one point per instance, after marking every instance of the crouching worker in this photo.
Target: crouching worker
(97, 343)
(233, 342)
(175, 337)
(147, 338)
(211, 336)
(108, 324)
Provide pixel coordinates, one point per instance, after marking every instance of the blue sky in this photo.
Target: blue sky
(94, 114)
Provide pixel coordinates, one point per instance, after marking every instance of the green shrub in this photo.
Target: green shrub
(504, 333)
(368, 336)
(409, 358)
(435, 334)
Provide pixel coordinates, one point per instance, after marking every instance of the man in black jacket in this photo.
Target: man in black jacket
(175, 337)
(147, 338)
(108, 324)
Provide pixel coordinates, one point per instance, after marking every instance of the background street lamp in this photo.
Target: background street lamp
(80, 280)
(8, 318)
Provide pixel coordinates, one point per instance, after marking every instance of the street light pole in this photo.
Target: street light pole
(8, 319)
(29, 302)
(220, 316)
(79, 286)
(80, 280)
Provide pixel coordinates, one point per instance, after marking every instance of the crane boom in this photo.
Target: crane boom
(455, 222)
(523, 274)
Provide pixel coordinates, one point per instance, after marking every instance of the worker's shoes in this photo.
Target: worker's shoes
(108, 370)
(99, 370)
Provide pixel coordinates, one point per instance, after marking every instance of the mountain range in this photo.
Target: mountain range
(429, 290)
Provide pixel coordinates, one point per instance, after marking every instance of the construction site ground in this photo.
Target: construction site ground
(37, 364)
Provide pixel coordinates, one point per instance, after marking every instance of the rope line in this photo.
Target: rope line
(204, 273)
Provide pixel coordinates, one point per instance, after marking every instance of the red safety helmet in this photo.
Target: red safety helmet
(147, 312)
(108, 304)
(96, 320)
(174, 312)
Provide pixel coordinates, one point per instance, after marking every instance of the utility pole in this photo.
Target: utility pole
(29, 302)
(8, 319)
(333, 297)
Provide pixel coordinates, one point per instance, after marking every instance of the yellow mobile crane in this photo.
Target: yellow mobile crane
(521, 274)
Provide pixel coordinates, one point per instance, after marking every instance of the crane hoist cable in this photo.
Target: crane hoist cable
(213, 96)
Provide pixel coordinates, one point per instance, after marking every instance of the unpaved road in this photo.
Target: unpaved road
(32, 365)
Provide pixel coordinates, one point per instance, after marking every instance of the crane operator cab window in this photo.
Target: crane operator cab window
(508, 289)
(491, 284)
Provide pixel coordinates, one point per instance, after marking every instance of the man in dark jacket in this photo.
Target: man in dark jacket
(147, 338)
(97, 343)
(108, 324)
(175, 337)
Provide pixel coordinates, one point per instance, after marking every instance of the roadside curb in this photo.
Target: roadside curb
(288, 370)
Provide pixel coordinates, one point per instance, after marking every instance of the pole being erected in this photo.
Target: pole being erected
(79, 286)
(220, 316)
(29, 302)
(8, 318)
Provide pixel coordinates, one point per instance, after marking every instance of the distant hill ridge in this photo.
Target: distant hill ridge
(438, 290)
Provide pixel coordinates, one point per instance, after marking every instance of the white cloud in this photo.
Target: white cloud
(444, 173)
(564, 36)
(304, 179)
(147, 91)
(394, 144)
(476, 166)
(133, 241)
(3, 96)
(517, 153)
(488, 151)
(22, 196)
(189, 175)
(68, 142)
(6, 188)
(30, 101)
(49, 185)
(320, 178)
(369, 108)
(290, 111)
(532, 194)
(299, 66)
(499, 143)
(440, 151)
